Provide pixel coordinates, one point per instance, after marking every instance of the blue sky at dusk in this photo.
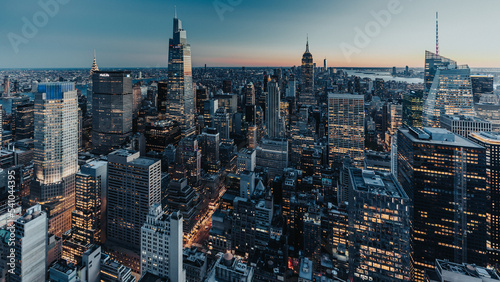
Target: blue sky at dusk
(131, 33)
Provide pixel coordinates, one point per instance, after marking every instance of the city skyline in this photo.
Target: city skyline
(231, 34)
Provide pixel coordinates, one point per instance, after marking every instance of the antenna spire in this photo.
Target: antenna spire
(175, 12)
(307, 43)
(437, 35)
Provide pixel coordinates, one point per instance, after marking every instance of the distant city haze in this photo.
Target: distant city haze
(235, 33)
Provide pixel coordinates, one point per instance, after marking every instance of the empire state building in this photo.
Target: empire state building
(180, 97)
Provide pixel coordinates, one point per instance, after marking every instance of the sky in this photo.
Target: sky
(348, 33)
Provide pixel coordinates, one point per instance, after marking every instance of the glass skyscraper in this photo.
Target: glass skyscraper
(180, 96)
(448, 90)
(56, 152)
(346, 127)
(111, 110)
(445, 176)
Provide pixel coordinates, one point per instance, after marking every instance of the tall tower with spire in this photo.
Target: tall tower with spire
(180, 97)
(306, 96)
(94, 66)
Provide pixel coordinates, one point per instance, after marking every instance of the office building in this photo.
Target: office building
(445, 176)
(246, 160)
(160, 134)
(307, 95)
(30, 246)
(249, 94)
(56, 152)
(491, 141)
(273, 155)
(450, 92)
(210, 142)
(222, 123)
(161, 244)
(182, 197)
(346, 127)
(488, 108)
(481, 84)
(412, 108)
(134, 184)
(379, 227)
(24, 121)
(180, 95)
(87, 219)
(274, 126)
(188, 159)
(162, 97)
(464, 125)
(111, 110)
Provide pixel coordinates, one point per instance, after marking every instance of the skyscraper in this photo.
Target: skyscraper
(273, 119)
(307, 89)
(30, 246)
(56, 152)
(449, 90)
(379, 227)
(111, 110)
(161, 244)
(346, 127)
(134, 184)
(491, 141)
(180, 96)
(445, 176)
(87, 219)
(221, 123)
(249, 94)
(412, 108)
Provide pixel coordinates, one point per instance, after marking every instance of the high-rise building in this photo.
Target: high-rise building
(450, 90)
(274, 126)
(111, 110)
(188, 159)
(134, 184)
(246, 160)
(87, 220)
(94, 67)
(222, 123)
(307, 86)
(491, 141)
(210, 150)
(56, 152)
(379, 227)
(273, 155)
(160, 134)
(162, 96)
(180, 95)
(481, 84)
(464, 125)
(412, 108)
(227, 86)
(24, 121)
(30, 246)
(445, 176)
(249, 94)
(98, 171)
(182, 197)
(161, 244)
(346, 127)
(6, 86)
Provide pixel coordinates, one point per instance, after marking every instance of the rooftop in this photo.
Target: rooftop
(440, 136)
(466, 269)
(380, 183)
